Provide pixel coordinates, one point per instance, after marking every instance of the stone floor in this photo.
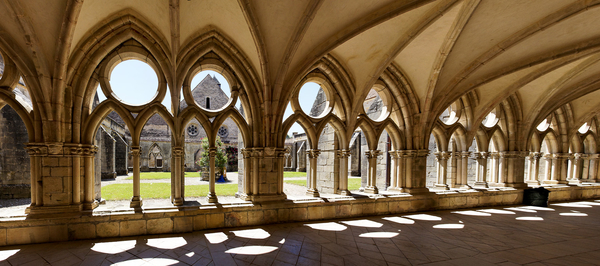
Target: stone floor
(562, 234)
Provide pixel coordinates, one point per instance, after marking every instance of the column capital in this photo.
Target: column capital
(577, 156)
(372, 154)
(135, 150)
(177, 151)
(212, 152)
(464, 154)
(480, 155)
(535, 155)
(593, 156)
(246, 153)
(313, 153)
(395, 154)
(442, 155)
(342, 153)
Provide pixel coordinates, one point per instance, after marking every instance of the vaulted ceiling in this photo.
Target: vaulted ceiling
(546, 52)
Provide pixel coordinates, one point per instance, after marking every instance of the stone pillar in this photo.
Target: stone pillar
(372, 172)
(493, 159)
(576, 161)
(416, 173)
(396, 171)
(267, 174)
(212, 195)
(136, 200)
(442, 166)
(502, 159)
(585, 170)
(313, 155)
(89, 155)
(343, 156)
(534, 168)
(515, 168)
(177, 199)
(246, 189)
(35, 153)
(481, 158)
(454, 171)
(464, 170)
(593, 168)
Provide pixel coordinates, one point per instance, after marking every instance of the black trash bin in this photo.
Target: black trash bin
(536, 197)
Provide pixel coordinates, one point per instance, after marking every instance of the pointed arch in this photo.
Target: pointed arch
(95, 119)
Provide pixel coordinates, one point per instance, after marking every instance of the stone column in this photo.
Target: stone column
(585, 170)
(534, 167)
(593, 168)
(493, 158)
(442, 174)
(481, 158)
(514, 162)
(454, 171)
(416, 171)
(343, 156)
(212, 195)
(464, 169)
(136, 200)
(502, 161)
(35, 153)
(372, 172)
(178, 174)
(397, 171)
(247, 182)
(89, 155)
(576, 161)
(313, 155)
(548, 170)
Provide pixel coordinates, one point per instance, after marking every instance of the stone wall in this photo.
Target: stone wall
(121, 154)
(107, 155)
(15, 231)
(327, 163)
(14, 160)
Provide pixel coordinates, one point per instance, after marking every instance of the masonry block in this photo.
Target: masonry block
(82, 231)
(235, 219)
(216, 220)
(107, 229)
(159, 226)
(132, 227)
(183, 224)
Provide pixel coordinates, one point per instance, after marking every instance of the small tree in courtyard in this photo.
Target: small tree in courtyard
(220, 156)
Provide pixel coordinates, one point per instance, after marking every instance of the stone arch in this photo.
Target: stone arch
(95, 119)
(143, 117)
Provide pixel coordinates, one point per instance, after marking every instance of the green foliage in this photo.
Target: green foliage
(294, 174)
(353, 183)
(220, 156)
(163, 191)
(160, 175)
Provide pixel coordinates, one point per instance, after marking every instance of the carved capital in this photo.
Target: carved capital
(212, 152)
(55, 148)
(372, 154)
(465, 154)
(135, 151)
(313, 153)
(37, 149)
(342, 153)
(246, 153)
(177, 151)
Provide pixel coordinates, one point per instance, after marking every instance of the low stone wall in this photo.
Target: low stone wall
(89, 225)
(15, 191)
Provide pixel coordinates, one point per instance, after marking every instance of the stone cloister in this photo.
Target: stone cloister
(477, 101)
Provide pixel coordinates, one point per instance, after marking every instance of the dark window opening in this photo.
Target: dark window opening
(207, 102)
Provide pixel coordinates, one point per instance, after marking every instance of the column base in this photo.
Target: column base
(552, 182)
(136, 202)
(178, 202)
(480, 184)
(345, 192)
(589, 181)
(533, 183)
(498, 185)
(54, 210)
(90, 205)
(441, 187)
(467, 187)
(395, 189)
(573, 182)
(212, 197)
(313, 192)
(371, 190)
(416, 190)
(517, 185)
(266, 197)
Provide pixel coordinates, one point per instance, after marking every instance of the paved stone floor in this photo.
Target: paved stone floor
(562, 234)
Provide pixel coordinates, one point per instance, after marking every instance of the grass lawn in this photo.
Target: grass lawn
(353, 183)
(161, 175)
(163, 191)
(294, 174)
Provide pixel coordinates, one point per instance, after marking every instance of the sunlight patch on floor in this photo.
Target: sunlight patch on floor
(496, 211)
(363, 223)
(5, 254)
(472, 213)
(327, 226)
(113, 247)
(252, 250)
(529, 218)
(216, 238)
(423, 217)
(379, 235)
(449, 226)
(252, 233)
(167, 243)
(399, 220)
